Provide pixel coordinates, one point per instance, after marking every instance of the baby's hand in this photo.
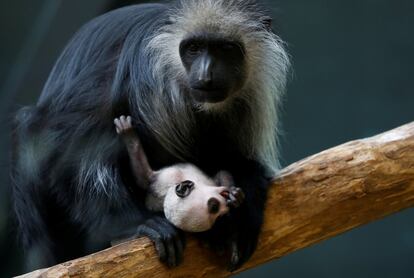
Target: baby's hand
(123, 124)
(236, 197)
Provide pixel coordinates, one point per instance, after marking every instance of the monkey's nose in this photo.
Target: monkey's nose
(213, 205)
(205, 78)
(205, 82)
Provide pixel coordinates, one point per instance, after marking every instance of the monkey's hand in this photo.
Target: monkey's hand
(242, 244)
(236, 233)
(123, 124)
(235, 197)
(168, 240)
(124, 128)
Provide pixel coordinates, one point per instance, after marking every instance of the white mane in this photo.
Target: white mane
(267, 67)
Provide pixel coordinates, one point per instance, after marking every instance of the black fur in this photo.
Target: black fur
(99, 76)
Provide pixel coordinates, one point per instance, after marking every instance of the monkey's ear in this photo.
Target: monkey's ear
(267, 22)
(224, 178)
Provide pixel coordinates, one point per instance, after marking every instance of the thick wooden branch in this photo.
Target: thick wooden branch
(313, 199)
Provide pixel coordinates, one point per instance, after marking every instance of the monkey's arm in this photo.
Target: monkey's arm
(252, 177)
(238, 231)
(139, 163)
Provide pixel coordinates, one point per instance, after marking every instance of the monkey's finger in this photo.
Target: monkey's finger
(245, 244)
(121, 122)
(232, 200)
(155, 237)
(124, 122)
(239, 196)
(234, 256)
(170, 236)
(170, 259)
(179, 249)
(248, 251)
(129, 120)
(237, 191)
(117, 126)
(173, 242)
(177, 240)
(230, 203)
(245, 252)
(169, 244)
(232, 197)
(179, 244)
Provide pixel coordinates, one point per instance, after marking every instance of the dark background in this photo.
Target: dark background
(353, 72)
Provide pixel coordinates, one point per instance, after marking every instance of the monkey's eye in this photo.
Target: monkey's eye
(183, 189)
(229, 46)
(194, 48)
(232, 48)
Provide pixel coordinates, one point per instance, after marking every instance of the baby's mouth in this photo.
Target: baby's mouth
(225, 194)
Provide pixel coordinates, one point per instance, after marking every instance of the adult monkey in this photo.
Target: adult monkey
(202, 76)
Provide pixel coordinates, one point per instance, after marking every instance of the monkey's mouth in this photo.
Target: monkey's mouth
(211, 95)
(225, 194)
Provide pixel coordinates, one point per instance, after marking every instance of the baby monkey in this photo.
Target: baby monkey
(190, 199)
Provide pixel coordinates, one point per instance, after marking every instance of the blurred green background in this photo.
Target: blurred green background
(353, 77)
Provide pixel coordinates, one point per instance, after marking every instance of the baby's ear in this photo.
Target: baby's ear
(224, 178)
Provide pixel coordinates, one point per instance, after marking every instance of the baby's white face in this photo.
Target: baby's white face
(197, 211)
(193, 201)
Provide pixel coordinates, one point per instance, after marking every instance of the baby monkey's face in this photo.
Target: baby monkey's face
(194, 207)
(194, 201)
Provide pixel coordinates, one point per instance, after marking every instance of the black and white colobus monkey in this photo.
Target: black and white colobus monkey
(203, 77)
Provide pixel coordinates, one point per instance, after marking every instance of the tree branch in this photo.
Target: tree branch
(314, 199)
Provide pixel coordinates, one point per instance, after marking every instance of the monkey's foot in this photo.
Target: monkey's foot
(169, 241)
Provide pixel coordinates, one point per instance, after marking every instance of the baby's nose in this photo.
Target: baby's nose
(213, 205)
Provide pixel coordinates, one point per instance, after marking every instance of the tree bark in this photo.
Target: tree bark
(311, 200)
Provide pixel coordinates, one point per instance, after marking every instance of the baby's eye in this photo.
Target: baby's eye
(183, 189)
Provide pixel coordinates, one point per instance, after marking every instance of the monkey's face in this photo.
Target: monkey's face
(215, 66)
(194, 207)
(190, 199)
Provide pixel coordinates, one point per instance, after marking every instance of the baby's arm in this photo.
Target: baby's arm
(139, 163)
